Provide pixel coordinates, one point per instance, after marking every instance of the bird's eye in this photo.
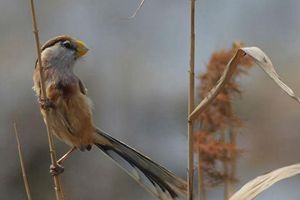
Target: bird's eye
(67, 44)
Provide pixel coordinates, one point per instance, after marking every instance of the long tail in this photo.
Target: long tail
(163, 184)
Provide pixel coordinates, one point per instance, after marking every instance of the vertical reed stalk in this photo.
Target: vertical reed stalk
(226, 182)
(200, 169)
(191, 96)
(232, 135)
(25, 179)
(226, 171)
(200, 177)
(57, 181)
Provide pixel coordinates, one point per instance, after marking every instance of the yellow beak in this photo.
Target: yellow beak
(81, 48)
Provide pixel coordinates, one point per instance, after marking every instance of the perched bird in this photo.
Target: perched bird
(69, 107)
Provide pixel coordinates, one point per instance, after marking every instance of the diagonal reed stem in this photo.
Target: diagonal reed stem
(24, 175)
(137, 10)
(57, 181)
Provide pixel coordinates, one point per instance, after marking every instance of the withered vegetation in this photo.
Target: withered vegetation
(215, 139)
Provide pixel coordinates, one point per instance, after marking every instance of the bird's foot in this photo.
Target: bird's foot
(45, 103)
(56, 169)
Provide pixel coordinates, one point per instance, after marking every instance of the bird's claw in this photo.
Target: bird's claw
(56, 169)
(45, 103)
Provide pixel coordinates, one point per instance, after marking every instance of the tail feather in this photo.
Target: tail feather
(163, 184)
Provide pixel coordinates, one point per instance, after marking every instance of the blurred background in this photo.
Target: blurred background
(136, 74)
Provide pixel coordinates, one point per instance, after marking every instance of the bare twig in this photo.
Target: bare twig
(191, 97)
(27, 188)
(57, 182)
(137, 10)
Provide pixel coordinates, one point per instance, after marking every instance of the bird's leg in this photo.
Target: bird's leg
(45, 103)
(64, 157)
(58, 168)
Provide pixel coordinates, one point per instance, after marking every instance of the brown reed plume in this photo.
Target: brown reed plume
(215, 140)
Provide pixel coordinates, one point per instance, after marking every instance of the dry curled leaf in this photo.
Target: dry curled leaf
(261, 59)
(258, 185)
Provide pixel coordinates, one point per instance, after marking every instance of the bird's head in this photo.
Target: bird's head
(62, 51)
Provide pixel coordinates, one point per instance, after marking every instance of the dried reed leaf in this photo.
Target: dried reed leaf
(260, 58)
(261, 183)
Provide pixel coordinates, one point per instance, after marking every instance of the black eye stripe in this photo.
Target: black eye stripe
(67, 44)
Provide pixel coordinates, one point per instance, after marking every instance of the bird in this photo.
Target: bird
(70, 109)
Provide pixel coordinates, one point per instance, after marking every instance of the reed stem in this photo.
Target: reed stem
(57, 182)
(24, 175)
(191, 97)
